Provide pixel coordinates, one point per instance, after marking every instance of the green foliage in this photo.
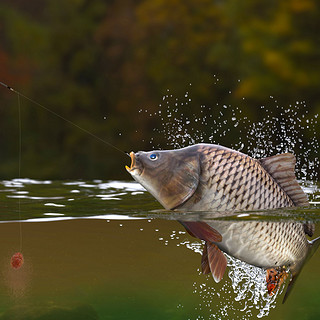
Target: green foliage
(98, 62)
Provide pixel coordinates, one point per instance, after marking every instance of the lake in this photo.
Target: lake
(107, 250)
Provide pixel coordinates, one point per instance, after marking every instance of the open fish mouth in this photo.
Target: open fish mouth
(133, 167)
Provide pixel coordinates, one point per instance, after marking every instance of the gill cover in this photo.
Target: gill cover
(181, 185)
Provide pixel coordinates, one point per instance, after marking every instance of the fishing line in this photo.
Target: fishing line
(19, 175)
(17, 259)
(63, 118)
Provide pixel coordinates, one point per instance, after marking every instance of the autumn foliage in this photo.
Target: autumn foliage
(98, 62)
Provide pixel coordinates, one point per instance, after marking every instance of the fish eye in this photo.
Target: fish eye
(153, 157)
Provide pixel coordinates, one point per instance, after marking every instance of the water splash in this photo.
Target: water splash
(249, 285)
(241, 296)
(279, 129)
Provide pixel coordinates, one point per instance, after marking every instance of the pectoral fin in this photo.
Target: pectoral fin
(201, 230)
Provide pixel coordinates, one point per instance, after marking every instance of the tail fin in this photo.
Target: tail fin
(314, 244)
(290, 286)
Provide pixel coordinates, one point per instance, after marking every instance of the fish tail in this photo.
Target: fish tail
(290, 285)
(313, 246)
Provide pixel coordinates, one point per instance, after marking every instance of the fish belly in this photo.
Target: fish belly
(263, 244)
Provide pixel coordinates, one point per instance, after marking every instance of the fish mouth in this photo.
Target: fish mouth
(133, 169)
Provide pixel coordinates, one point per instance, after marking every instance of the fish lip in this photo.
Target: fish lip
(134, 168)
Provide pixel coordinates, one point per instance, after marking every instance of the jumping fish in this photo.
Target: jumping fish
(207, 177)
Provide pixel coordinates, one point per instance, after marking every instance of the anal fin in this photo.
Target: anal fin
(205, 268)
(217, 261)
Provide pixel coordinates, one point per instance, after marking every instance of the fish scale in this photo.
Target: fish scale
(206, 177)
(217, 181)
(265, 244)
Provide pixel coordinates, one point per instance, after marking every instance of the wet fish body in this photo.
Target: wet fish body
(263, 244)
(206, 177)
(267, 244)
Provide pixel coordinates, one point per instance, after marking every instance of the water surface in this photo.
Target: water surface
(107, 250)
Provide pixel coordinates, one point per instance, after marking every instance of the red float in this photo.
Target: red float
(17, 260)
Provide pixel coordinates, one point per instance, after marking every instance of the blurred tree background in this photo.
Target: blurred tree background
(98, 63)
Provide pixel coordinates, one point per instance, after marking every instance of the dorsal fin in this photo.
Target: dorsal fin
(309, 228)
(281, 168)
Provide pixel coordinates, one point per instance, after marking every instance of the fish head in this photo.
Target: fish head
(171, 176)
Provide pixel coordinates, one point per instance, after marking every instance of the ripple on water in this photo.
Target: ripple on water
(51, 204)
(89, 198)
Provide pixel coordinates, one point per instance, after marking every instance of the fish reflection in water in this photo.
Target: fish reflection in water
(277, 247)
